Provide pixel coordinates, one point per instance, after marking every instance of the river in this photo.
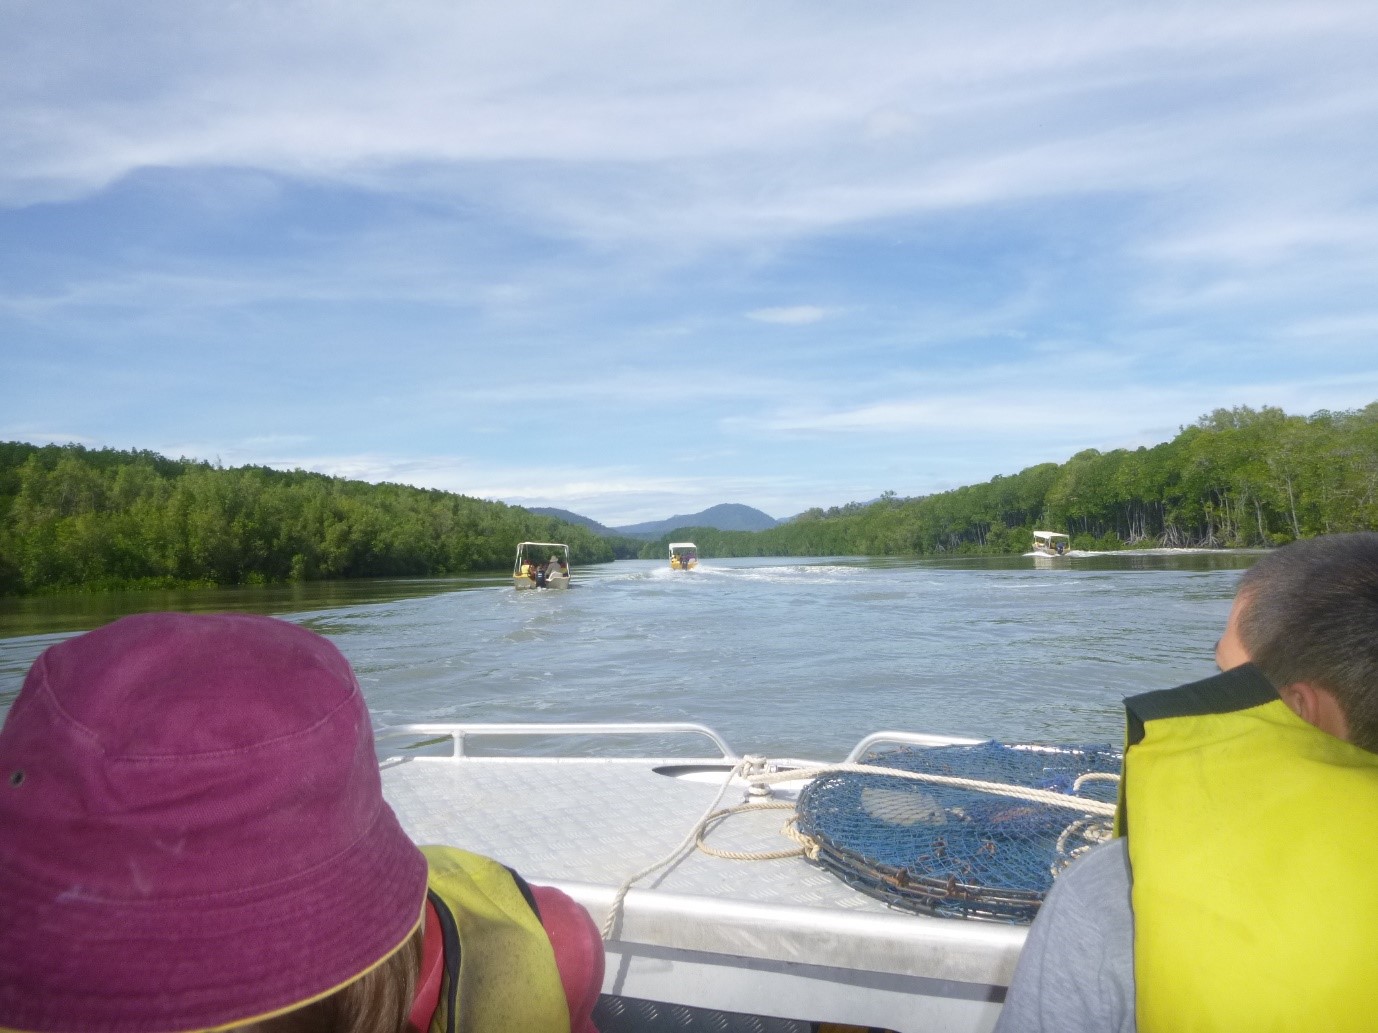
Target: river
(782, 656)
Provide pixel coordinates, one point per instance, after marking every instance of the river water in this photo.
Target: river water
(792, 657)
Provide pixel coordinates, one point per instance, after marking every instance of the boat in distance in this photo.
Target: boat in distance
(541, 565)
(708, 924)
(683, 555)
(1051, 543)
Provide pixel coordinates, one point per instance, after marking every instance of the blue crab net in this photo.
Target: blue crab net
(954, 851)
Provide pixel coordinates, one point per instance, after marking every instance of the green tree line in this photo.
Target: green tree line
(1236, 478)
(75, 517)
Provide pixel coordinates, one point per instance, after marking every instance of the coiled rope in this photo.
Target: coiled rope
(757, 773)
(615, 911)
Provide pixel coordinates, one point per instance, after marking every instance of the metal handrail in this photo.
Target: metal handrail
(908, 739)
(458, 732)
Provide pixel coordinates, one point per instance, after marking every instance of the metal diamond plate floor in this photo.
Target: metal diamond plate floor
(772, 941)
(599, 822)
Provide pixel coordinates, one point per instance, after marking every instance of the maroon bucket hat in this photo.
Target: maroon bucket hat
(192, 829)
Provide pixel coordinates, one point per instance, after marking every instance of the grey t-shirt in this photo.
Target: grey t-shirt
(1076, 973)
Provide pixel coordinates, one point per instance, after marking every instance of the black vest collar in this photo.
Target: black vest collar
(1236, 689)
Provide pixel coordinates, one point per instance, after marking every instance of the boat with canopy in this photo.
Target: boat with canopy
(1051, 543)
(541, 565)
(683, 555)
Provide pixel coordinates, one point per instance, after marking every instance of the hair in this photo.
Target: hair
(379, 1001)
(1310, 614)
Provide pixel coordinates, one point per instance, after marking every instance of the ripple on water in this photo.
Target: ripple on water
(788, 657)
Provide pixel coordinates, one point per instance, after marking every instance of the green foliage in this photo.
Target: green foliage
(624, 547)
(1237, 477)
(72, 517)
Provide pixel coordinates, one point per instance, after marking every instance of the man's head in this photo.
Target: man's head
(1307, 616)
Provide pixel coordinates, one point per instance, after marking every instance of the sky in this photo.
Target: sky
(634, 259)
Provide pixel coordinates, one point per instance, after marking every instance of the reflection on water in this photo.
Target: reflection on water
(783, 656)
(47, 614)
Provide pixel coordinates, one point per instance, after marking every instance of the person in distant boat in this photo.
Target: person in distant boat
(193, 835)
(1241, 896)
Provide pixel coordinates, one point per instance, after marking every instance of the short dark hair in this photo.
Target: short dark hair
(1310, 614)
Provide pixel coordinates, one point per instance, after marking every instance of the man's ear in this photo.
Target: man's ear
(1301, 700)
(1316, 706)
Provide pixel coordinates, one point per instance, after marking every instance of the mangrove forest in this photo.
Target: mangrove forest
(1238, 478)
(72, 517)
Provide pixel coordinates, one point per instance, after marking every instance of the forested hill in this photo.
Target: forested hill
(1238, 477)
(74, 517)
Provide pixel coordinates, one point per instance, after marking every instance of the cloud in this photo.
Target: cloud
(872, 116)
(38, 434)
(326, 222)
(614, 495)
(1043, 408)
(796, 315)
(1361, 326)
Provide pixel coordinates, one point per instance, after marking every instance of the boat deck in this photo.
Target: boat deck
(779, 938)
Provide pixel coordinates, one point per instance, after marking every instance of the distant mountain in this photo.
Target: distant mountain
(571, 518)
(730, 516)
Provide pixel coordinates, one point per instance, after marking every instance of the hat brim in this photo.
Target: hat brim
(71, 961)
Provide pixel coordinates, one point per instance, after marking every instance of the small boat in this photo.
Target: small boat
(1051, 543)
(745, 935)
(683, 555)
(541, 565)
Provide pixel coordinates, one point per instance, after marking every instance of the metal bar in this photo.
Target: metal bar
(907, 739)
(458, 732)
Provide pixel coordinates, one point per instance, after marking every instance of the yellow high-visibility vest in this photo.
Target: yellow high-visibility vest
(1253, 842)
(503, 975)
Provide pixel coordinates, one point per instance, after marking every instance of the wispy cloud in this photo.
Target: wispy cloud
(1045, 409)
(545, 253)
(617, 495)
(794, 315)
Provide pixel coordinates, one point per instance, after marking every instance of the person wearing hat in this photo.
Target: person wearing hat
(193, 836)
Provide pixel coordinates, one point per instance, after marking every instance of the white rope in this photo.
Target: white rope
(610, 922)
(808, 846)
(1045, 796)
(756, 855)
(1094, 776)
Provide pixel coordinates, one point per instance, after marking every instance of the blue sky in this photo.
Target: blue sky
(635, 259)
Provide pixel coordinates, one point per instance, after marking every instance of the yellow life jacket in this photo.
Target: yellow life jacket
(500, 972)
(1252, 839)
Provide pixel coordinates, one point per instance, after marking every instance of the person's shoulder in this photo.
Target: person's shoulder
(1076, 971)
(1099, 878)
(1090, 900)
(1109, 860)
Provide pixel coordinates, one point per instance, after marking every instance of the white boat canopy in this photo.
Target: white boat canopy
(534, 574)
(683, 555)
(1049, 536)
